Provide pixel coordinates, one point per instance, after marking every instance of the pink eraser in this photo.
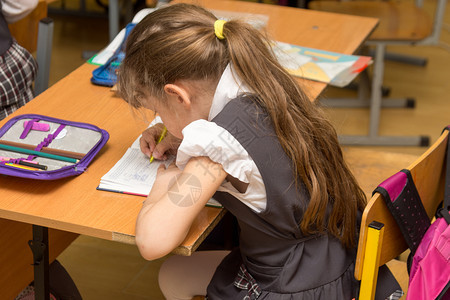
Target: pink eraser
(37, 126)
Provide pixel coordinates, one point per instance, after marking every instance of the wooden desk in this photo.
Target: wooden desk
(73, 205)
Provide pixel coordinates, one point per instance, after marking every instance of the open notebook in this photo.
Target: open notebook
(134, 174)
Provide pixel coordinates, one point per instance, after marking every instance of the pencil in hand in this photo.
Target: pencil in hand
(163, 134)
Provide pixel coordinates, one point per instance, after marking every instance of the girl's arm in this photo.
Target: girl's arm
(174, 201)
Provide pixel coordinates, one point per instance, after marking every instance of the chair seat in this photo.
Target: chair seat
(398, 21)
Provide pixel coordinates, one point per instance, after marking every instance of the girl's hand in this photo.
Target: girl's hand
(169, 144)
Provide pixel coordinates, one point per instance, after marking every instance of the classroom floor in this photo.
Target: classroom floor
(110, 270)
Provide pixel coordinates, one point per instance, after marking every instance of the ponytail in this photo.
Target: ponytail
(307, 137)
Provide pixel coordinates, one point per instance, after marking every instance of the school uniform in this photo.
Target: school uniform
(18, 68)
(274, 259)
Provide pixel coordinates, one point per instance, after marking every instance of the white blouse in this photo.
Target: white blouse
(221, 147)
(14, 10)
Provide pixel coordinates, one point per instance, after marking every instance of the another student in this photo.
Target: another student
(251, 138)
(17, 66)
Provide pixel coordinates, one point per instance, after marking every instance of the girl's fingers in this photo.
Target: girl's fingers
(145, 147)
(148, 140)
(163, 149)
(160, 150)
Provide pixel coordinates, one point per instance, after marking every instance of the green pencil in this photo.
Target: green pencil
(37, 153)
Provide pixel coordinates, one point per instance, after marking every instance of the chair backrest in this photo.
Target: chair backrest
(428, 173)
(25, 31)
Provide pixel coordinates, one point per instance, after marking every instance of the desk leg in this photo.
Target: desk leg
(373, 138)
(113, 18)
(39, 247)
(43, 55)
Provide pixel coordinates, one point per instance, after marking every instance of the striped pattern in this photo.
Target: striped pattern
(245, 281)
(17, 71)
(395, 295)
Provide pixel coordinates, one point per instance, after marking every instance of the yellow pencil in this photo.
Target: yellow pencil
(22, 167)
(163, 134)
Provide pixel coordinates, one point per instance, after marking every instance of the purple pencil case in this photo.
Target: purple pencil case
(42, 147)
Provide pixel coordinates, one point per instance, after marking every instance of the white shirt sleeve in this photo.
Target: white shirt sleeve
(14, 10)
(204, 138)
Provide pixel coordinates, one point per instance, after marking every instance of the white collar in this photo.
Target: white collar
(229, 87)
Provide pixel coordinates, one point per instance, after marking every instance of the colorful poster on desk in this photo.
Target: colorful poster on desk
(330, 67)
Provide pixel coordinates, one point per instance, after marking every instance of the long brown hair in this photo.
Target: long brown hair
(178, 42)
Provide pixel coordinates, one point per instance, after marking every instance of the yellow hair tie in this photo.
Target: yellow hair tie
(218, 29)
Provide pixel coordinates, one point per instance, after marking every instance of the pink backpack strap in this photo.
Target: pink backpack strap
(403, 201)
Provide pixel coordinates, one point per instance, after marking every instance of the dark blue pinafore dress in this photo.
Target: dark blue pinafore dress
(274, 259)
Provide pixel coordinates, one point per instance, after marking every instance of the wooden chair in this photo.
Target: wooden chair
(380, 238)
(35, 33)
(401, 23)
